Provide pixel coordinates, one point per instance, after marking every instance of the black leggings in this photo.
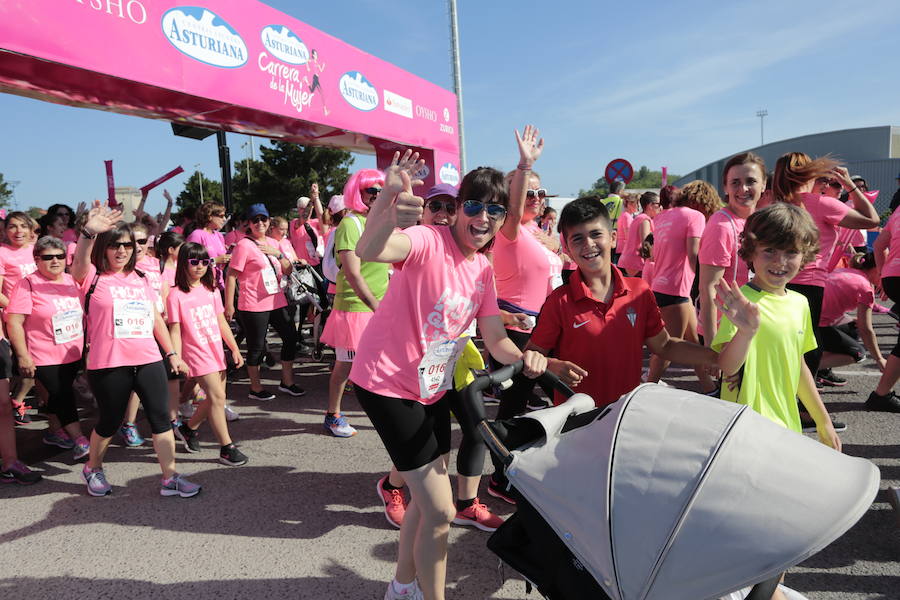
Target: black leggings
(891, 287)
(256, 324)
(814, 296)
(514, 398)
(57, 380)
(112, 387)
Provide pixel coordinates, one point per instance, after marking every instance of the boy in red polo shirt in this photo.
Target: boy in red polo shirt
(597, 325)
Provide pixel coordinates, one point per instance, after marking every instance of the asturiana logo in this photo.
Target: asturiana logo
(284, 45)
(358, 92)
(204, 36)
(449, 174)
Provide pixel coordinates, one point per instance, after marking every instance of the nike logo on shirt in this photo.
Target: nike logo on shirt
(577, 325)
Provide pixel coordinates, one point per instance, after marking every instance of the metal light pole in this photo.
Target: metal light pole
(199, 174)
(13, 185)
(244, 145)
(457, 83)
(762, 114)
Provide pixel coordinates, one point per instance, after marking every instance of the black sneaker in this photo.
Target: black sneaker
(231, 456)
(189, 437)
(20, 415)
(292, 390)
(809, 426)
(537, 403)
(500, 492)
(19, 473)
(262, 395)
(829, 379)
(889, 403)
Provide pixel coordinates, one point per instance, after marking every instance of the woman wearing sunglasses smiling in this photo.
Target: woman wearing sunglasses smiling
(44, 319)
(126, 334)
(446, 282)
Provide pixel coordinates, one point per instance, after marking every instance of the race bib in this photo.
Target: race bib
(437, 366)
(132, 318)
(270, 280)
(68, 326)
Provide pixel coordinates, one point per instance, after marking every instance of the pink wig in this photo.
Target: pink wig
(362, 179)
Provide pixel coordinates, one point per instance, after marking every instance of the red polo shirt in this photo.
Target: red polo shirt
(605, 339)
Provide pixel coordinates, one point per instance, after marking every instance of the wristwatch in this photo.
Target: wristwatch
(86, 235)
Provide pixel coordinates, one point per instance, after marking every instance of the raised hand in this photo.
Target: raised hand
(314, 191)
(81, 209)
(740, 311)
(407, 206)
(168, 197)
(410, 164)
(530, 146)
(101, 218)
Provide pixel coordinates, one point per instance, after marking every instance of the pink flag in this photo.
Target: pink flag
(665, 176)
(110, 185)
(162, 179)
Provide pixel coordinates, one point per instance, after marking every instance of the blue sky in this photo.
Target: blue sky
(659, 83)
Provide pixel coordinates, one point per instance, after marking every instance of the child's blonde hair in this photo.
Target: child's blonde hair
(782, 226)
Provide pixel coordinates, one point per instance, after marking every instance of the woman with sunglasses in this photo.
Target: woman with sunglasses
(127, 336)
(630, 259)
(44, 320)
(445, 283)
(257, 265)
(360, 286)
(210, 218)
(440, 205)
(197, 325)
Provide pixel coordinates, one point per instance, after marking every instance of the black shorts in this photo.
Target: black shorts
(669, 300)
(414, 434)
(838, 340)
(6, 365)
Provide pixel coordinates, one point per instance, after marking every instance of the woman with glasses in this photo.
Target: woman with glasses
(44, 321)
(257, 265)
(360, 286)
(440, 205)
(128, 339)
(630, 260)
(445, 283)
(210, 218)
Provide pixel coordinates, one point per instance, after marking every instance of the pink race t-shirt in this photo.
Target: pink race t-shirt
(826, 213)
(287, 249)
(233, 237)
(845, 289)
(168, 276)
(629, 254)
(303, 245)
(720, 243)
(120, 320)
(70, 236)
(15, 263)
(197, 312)
(149, 266)
(213, 241)
(53, 322)
(622, 224)
(891, 266)
(433, 298)
(259, 277)
(526, 271)
(674, 274)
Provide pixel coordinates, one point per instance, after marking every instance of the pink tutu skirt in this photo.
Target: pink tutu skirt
(344, 329)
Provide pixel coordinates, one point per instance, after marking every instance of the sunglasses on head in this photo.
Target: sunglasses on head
(372, 191)
(49, 257)
(540, 193)
(436, 206)
(117, 245)
(472, 208)
(259, 219)
(200, 261)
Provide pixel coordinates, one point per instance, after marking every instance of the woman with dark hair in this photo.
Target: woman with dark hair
(128, 341)
(197, 325)
(44, 319)
(445, 283)
(668, 196)
(210, 218)
(68, 215)
(630, 259)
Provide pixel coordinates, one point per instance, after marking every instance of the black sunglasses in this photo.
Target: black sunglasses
(829, 182)
(218, 214)
(200, 261)
(475, 207)
(372, 191)
(259, 219)
(435, 206)
(49, 257)
(117, 245)
(541, 193)
(141, 241)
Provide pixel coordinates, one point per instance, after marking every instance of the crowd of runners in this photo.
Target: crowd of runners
(763, 290)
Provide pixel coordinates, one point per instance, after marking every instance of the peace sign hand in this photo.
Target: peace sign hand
(530, 147)
(739, 310)
(410, 164)
(101, 218)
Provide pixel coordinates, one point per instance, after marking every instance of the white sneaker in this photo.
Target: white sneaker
(412, 592)
(230, 415)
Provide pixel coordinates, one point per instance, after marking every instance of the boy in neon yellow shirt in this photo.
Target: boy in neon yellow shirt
(766, 328)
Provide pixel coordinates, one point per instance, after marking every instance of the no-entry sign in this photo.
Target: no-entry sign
(619, 169)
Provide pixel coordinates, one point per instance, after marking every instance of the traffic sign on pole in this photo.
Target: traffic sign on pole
(619, 169)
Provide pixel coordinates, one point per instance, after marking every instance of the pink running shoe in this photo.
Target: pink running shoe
(395, 503)
(478, 515)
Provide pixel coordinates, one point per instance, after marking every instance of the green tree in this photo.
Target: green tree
(6, 192)
(644, 179)
(189, 198)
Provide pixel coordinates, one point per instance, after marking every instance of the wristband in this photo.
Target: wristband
(87, 235)
(853, 189)
(523, 167)
(171, 354)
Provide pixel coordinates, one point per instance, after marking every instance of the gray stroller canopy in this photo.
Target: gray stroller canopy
(673, 495)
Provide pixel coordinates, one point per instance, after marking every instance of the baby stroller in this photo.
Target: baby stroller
(304, 287)
(664, 494)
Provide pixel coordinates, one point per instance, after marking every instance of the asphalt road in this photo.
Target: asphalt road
(302, 520)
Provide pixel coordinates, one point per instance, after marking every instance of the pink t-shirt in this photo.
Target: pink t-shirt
(201, 339)
(433, 298)
(233, 237)
(257, 273)
(845, 289)
(629, 255)
(15, 263)
(149, 266)
(826, 213)
(720, 243)
(672, 229)
(53, 318)
(287, 249)
(526, 271)
(891, 266)
(304, 248)
(213, 241)
(622, 224)
(168, 275)
(647, 272)
(70, 236)
(120, 320)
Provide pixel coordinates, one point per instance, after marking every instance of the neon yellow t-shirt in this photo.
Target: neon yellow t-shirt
(772, 369)
(375, 273)
(613, 204)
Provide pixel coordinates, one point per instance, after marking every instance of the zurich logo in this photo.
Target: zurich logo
(204, 36)
(284, 44)
(358, 92)
(449, 174)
